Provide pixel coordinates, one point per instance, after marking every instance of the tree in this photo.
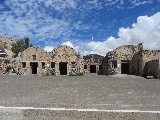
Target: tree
(20, 46)
(27, 42)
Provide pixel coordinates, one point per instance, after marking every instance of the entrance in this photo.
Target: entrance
(63, 68)
(125, 67)
(34, 66)
(92, 68)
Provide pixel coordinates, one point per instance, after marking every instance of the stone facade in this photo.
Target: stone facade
(120, 60)
(129, 59)
(2, 67)
(149, 59)
(33, 60)
(93, 63)
(152, 68)
(65, 60)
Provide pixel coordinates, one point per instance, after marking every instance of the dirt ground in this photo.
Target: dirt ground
(80, 92)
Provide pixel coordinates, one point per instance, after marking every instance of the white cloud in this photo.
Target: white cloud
(146, 30)
(48, 48)
(60, 5)
(30, 18)
(69, 43)
(35, 19)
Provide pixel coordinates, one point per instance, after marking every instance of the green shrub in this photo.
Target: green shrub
(52, 72)
(71, 74)
(113, 73)
(157, 77)
(76, 74)
(80, 74)
(6, 61)
(49, 71)
(18, 73)
(8, 68)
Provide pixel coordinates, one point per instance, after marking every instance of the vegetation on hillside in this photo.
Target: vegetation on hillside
(20, 45)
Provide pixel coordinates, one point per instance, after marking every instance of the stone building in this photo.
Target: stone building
(150, 62)
(120, 59)
(2, 65)
(93, 63)
(129, 59)
(65, 60)
(152, 68)
(33, 60)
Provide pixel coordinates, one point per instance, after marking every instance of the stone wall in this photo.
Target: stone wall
(29, 58)
(66, 54)
(148, 58)
(93, 59)
(3, 65)
(36, 61)
(135, 57)
(113, 61)
(152, 68)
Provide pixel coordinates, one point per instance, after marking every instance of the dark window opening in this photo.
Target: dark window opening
(34, 66)
(23, 64)
(63, 68)
(34, 57)
(73, 64)
(52, 64)
(43, 65)
(92, 68)
(100, 67)
(85, 66)
(125, 67)
(114, 63)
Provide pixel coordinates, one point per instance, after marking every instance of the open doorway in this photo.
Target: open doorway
(63, 68)
(92, 68)
(34, 66)
(125, 67)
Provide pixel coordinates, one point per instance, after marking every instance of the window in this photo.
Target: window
(23, 64)
(85, 66)
(73, 64)
(43, 65)
(34, 57)
(52, 64)
(100, 67)
(114, 63)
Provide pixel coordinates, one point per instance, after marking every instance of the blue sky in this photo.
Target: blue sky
(111, 23)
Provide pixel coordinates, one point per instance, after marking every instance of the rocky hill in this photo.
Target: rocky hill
(6, 42)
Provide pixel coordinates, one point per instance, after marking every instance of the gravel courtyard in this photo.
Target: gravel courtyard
(80, 92)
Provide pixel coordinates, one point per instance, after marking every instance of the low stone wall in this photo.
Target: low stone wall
(152, 68)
